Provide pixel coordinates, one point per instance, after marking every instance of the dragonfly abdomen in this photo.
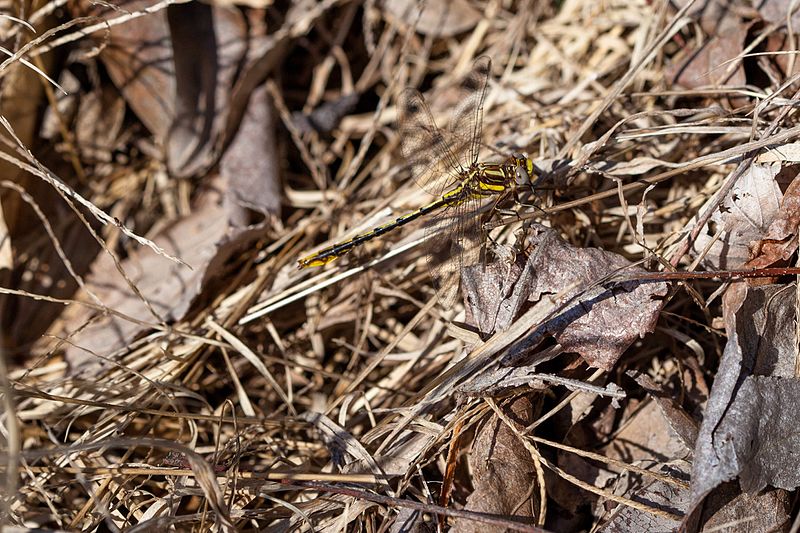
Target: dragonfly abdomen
(331, 253)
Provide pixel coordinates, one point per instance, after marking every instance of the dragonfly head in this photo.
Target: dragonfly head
(523, 171)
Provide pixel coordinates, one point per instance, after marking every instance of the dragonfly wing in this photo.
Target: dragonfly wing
(425, 148)
(443, 266)
(467, 119)
(453, 242)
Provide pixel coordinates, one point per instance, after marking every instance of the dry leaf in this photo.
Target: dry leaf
(250, 164)
(99, 122)
(503, 471)
(743, 218)
(143, 74)
(439, 18)
(568, 496)
(784, 153)
(732, 511)
(203, 240)
(760, 428)
(716, 17)
(711, 65)
(327, 116)
(596, 322)
(680, 423)
(749, 427)
(780, 242)
(494, 295)
(208, 46)
(657, 434)
(778, 11)
(183, 98)
(655, 493)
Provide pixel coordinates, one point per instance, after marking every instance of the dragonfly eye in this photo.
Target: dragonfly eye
(522, 177)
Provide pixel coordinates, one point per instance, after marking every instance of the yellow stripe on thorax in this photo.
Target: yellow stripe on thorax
(496, 185)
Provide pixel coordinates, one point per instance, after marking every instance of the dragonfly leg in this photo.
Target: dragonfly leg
(519, 201)
(507, 212)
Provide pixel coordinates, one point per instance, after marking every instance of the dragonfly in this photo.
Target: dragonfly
(447, 166)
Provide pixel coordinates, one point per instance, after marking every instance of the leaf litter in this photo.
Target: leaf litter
(570, 390)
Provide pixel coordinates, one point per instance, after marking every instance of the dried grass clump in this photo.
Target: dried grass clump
(166, 365)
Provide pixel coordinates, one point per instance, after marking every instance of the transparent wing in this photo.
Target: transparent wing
(453, 242)
(437, 163)
(434, 167)
(467, 119)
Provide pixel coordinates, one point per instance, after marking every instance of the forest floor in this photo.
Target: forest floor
(589, 326)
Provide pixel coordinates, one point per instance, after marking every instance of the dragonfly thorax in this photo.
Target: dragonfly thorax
(489, 178)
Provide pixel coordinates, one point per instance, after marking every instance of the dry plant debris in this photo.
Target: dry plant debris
(165, 365)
